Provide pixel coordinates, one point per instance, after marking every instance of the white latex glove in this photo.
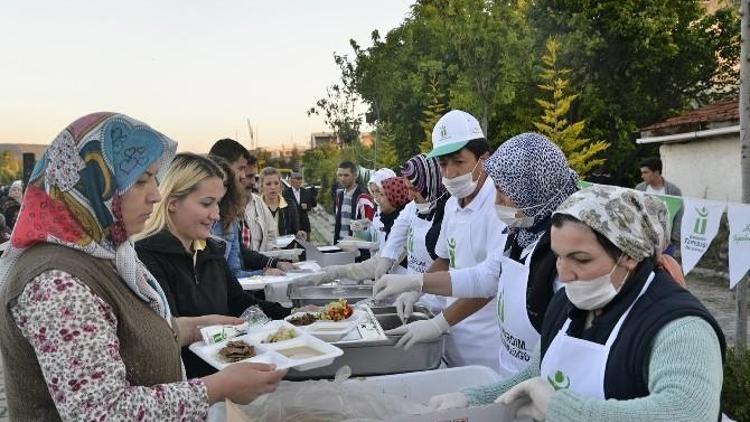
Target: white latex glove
(535, 395)
(448, 401)
(392, 285)
(405, 304)
(314, 278)
(420, 331)
(360, 225)
(382, 266)
(286, 266)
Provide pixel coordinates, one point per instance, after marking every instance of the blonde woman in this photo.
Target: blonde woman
(188, 263)
(285, 215)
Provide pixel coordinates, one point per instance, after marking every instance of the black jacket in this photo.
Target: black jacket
(206, 288)
(306, 196)
(288, 219)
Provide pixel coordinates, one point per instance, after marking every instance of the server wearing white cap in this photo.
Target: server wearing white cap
(470, 232)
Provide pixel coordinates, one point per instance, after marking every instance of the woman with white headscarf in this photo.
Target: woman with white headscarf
(622, 341)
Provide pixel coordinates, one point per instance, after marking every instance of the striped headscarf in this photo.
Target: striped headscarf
(424, 175)
(535, 175)
(75, 192)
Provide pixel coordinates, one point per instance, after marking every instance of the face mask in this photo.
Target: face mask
(592, 294)
(461, 186)
(423, 208)
(508, 216)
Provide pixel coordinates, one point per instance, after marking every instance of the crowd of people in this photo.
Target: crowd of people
(123, 249)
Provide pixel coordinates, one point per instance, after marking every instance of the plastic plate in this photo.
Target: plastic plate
(301, 353)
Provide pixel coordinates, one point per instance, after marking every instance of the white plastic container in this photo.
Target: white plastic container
(284, 354)
(420, 386)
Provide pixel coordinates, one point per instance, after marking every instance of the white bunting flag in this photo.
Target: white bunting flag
(739, 242)
(700, 223)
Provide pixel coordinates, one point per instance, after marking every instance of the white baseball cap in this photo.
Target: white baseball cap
(453, 131)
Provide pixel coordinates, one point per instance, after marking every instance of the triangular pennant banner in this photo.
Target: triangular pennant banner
(739, 242)
(700, 224)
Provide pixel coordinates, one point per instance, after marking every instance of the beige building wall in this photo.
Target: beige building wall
(705, 168)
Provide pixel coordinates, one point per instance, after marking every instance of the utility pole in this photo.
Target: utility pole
(741, 289)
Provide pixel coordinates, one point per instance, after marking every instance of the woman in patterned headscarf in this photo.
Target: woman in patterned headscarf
(85, 330)
(622, 341)
(532, 178)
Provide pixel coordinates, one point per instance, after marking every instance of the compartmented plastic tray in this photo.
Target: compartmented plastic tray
(348, 244)
(302, 353)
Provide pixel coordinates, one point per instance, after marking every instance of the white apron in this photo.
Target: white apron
(518, 335)
(377, 234)
(419, 260)
(476, 339)
(579, 365)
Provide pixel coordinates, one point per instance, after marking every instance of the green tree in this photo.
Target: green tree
(10, 167)
(637, 62)
(471, 54)
(581, 152)
(384, 151)
(430, 116)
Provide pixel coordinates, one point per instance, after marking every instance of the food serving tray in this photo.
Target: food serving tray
(303, 352)
(330, 331)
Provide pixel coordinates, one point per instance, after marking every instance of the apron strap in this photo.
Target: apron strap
(615, 331)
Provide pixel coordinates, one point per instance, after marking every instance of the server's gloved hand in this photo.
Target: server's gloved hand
(448, 401)
(392, 285)
(382, 266)
(534, 394)
(420, 331)
(405, 304)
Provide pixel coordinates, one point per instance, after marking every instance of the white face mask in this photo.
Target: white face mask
(423, 208)
(592, 294)
(508, 216)
(461, 186)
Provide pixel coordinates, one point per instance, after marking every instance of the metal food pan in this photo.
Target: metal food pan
(369, 358)
(321, 295)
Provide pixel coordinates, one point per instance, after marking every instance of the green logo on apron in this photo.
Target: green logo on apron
(452, 252)
(501, 306)
(410, 241)
(560, 382)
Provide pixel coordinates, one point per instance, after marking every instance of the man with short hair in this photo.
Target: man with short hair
(303, 198)
(654, 182)
(257, 229)
(470, 234)
(352, 202)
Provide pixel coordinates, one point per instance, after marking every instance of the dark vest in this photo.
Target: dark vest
(149, 348)
(626, 375)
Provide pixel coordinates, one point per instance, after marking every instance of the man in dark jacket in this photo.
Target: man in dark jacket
(198, 284)
(303, 198)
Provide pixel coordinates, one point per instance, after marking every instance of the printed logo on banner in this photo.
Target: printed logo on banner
(700, 224)
(701, 221)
